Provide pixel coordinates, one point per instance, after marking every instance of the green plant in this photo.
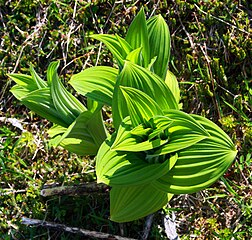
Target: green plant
(156, 150)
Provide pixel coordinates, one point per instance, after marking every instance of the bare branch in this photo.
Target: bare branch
(147, 227)
(63, 227)
(81, 189)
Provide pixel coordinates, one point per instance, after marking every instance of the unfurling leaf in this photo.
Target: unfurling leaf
(142, 79)
(137, 36)
(40, 102)
(117, 45)
(160, 44)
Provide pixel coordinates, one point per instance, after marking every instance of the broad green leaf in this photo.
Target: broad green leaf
(125, 46)
(85, 135)
(117, 45)
(139, 106)
(215, 131)
(197, 167)
(134, 202)
(160, 44)
(159, 124)
(56, 130)
(24, 81)
(180, 118)
(142, 79)
(135, 56)
(19, 92)
(79, 146)
(127, 168)
(137, 36)
(96, 83)
(51, 71)
(40, 82)
(183, 132)
(179, 140)
(173, 85)
(55, 134)
(40, 102)
(66, 104)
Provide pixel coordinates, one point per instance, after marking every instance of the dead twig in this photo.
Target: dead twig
(186, 32)
(147, 227)
(82, 189)
(63, 227)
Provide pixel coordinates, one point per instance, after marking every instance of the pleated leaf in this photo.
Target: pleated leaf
(66, 104)
(24, 81)
(197, 167)
(181, 118)
(39, 81)
(142, 79)
(55, 134)
(117, 45)
(85, 135)
(40, 102)
(96, 83)
(183, 132)
(140, 106)
(19, 92)
(135, 56)
(127, 168)
(159, 40)
(131, 203)
(215, 131)
(137, 36)
(173, 85)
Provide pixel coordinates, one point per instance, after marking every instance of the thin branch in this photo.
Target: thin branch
(154, 9)
(81, 189)
(63, 227)
(229, 24)
(147, 227)
(187, 33)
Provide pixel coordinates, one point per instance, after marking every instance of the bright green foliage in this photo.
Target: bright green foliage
(159, 39)
(124, 201)
(172, 83)
(156, 150)
(117, 45)
(96, 83)
(186, 154)
(137, 36)
(75, 124)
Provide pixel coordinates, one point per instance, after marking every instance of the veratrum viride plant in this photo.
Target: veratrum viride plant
(156, 150)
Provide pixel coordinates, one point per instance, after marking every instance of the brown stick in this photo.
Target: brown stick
(93, 234)
(82, 189)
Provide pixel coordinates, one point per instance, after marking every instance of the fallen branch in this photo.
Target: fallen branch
(93, 234)
(147, 227)
(82, 189)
